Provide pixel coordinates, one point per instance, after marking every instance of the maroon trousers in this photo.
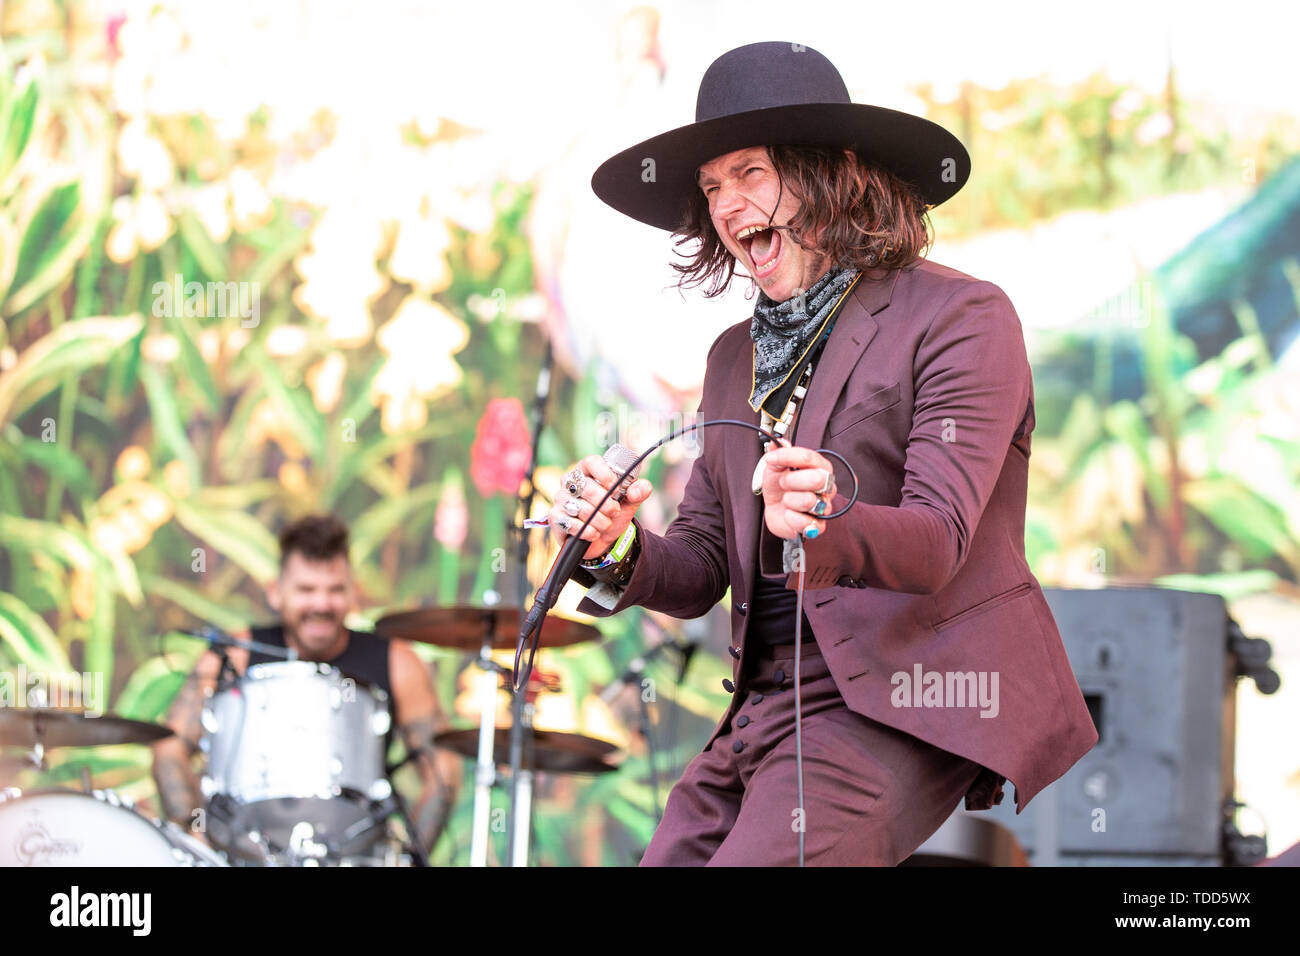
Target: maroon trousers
(872, 794)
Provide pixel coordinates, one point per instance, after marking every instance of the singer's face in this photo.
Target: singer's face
(313, 598)
(742, 189)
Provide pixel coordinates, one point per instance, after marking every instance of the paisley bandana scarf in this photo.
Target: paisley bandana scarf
(783, 331)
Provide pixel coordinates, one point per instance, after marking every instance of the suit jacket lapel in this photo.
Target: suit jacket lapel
(853, 332)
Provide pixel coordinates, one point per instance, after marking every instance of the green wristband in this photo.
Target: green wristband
(616, 553)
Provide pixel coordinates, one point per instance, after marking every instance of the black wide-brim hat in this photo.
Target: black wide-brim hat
(776, 94)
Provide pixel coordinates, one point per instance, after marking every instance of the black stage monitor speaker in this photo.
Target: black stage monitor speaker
(1158, 669)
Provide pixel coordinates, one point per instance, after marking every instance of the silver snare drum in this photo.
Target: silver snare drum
(295, 763)
(68, 828)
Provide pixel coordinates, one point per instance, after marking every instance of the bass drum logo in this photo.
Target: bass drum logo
(35, 846)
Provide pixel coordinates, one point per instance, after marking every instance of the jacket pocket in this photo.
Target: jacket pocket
(877, 401)
(985, 605)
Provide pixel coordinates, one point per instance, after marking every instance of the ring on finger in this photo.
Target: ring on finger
(571, 507)
(575, 481)
(821, 507)
(827, 486)
(564, 525)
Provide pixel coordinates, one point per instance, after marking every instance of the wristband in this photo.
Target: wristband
(617, 552)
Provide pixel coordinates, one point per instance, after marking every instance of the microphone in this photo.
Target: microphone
(215, 637)
(619, 458)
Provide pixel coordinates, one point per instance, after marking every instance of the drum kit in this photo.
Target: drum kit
(53, 827)
(295, 752)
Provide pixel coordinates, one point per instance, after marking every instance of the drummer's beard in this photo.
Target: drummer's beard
(312, 636)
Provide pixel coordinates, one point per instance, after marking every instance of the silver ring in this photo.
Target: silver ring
(575, 481)
(564, 525)
(826, 488)
(571, 507)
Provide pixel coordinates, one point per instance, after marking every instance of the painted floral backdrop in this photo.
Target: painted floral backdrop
(219, 316)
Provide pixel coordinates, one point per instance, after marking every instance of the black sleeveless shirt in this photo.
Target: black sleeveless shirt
(364, 659)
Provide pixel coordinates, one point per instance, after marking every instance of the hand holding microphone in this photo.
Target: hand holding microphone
(582, 487)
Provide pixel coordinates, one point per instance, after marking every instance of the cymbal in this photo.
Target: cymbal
(73, 728)
(554, 751)
(463, 627)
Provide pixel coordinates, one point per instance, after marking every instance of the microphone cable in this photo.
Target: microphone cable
(533, 638)
(798, 697)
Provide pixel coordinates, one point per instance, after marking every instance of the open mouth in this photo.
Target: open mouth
(764, 249)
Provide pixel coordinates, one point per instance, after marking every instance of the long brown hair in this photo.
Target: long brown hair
(870, 220)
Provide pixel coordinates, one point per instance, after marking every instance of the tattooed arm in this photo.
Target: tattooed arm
(420, 717)
(173, 757)
(439, 780)
(178, 784)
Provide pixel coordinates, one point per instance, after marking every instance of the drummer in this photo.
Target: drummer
(312, 595)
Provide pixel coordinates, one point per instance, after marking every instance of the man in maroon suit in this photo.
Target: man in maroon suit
(929, 667)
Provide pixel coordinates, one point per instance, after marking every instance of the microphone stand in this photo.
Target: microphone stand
(632, 677)
(219, 638)
(686, 648)
(521, 785)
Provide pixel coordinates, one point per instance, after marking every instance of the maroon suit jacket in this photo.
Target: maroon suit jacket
(925, 387)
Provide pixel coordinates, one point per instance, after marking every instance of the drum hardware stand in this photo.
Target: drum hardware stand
(525, 766)
(37, 756)
(226, 674)
(396, 805)
(272, 853)
(264, 846)
(303, 849)
(521, 815)
(485, 772)
(521, 780)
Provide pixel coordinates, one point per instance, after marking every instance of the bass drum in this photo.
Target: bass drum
(69, 828)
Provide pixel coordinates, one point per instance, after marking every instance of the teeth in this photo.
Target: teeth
(749, 231)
